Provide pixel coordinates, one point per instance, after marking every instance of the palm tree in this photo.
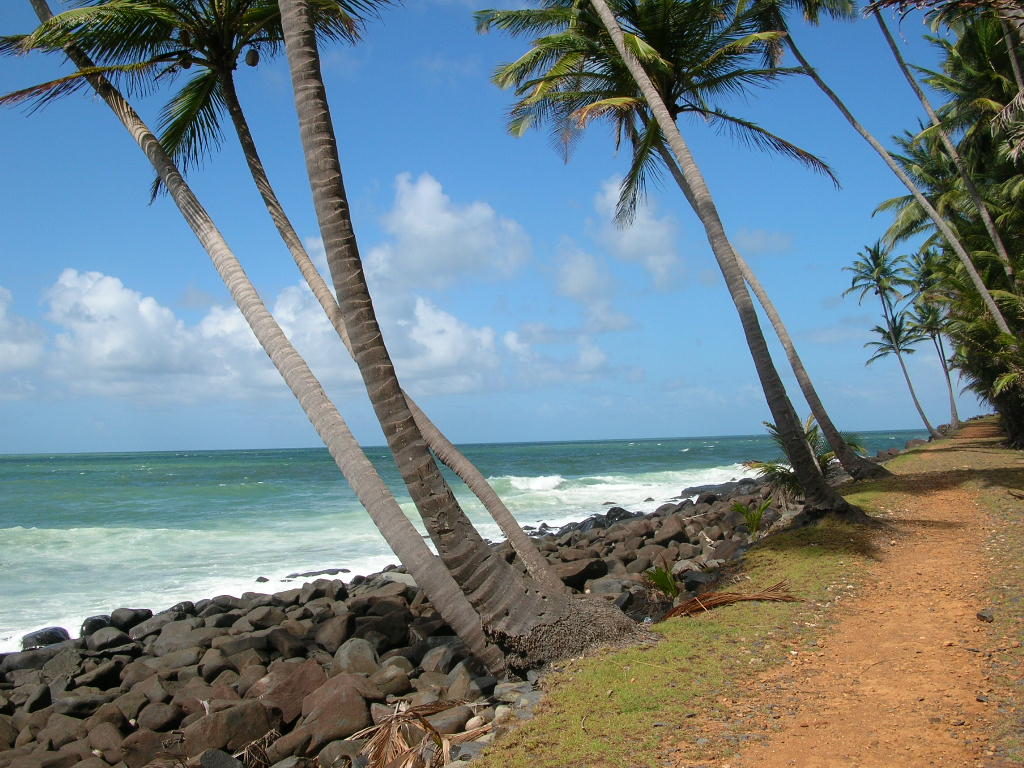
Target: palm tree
(877, 271)
(708, 55)
(401, 536)
(531, 624)
(604, 60)
(208, 40)
(773, 17)
(954, 154)
(930, 321)
(898, 339)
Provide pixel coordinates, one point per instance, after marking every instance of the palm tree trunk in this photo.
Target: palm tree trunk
(400, 534)
(529, 623)
(445, 451)
(1011, 52)
(954, 154)
(890, 322)
(857, 466)
(940, 223)
(820, 498)
(917, 404)
(954, 417)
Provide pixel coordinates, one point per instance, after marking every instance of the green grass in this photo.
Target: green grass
(625, 708)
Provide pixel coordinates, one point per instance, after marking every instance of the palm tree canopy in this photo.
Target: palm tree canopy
(877, 271)
(698, 53)
(900, 338)
(140, 43)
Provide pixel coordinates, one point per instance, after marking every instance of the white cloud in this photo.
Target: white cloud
(21, 342)
(762, 241)
(650, 240)
(435, 241)
(583, 279)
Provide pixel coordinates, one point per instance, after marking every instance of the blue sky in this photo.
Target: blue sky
(514, 309)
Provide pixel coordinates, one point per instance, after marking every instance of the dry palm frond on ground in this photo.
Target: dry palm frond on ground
(406, 739)
(778, 593)
(254, 754)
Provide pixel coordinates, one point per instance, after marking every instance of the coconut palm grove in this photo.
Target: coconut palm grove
(436, 659)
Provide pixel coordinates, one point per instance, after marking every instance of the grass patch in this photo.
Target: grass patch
(627, 708)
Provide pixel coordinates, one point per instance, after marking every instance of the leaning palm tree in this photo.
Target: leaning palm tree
(772, 13)
(401, 536)
(531, 624)
(703, 55)
(615, 51)
(954, 155)
(898, 339)
(146, 42)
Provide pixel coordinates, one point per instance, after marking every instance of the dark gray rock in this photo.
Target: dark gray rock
(45, 636)
(356, 655)
(153, 625)
(108, 637)
(126, 618)
(986, 614)
(215, 758)
(92, 624)
(577, 573)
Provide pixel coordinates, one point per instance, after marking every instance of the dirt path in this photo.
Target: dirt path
(901, 678)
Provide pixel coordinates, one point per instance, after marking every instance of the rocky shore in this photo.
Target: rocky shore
(297, 674)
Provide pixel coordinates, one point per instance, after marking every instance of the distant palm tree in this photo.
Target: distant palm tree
(930, 320)
(899, 340)
(147, 42)
(877, 271)
(594, 50)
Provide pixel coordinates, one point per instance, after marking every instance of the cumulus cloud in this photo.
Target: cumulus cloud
(762, 241)
(434, 241)
(115, 341)
(21, 342)
(583, 279)
(650, 241)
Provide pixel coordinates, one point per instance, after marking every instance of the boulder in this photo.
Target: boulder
(230, 728)
(160, 717)
(108, 637)
(336, 710)
(153, 625)
(355, 655)
(216, 758)
(34, 659)
(450, 720)
(332, 632)
(45, 636)
(107, 738)
(139, 748)
(286, 685)
(575, 574)
(126, 618)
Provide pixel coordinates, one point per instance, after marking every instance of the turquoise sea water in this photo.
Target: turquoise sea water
(82, 534)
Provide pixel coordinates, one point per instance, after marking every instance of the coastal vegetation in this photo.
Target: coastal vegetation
(644, 67)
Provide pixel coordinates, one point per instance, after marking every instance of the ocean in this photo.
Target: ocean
(83, 534)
